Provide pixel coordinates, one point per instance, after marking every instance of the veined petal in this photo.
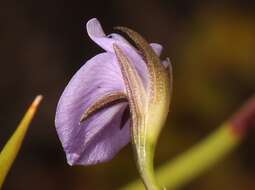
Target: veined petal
(97, 34)
(154, 111)
(99, 76)
(136, 94)
(152, 60)
(100, 137)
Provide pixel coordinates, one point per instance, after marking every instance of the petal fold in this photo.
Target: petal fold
(97, 34)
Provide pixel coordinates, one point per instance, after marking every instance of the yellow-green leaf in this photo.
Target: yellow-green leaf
(12, 147)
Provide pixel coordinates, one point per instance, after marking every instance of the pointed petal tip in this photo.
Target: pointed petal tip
(72, 158)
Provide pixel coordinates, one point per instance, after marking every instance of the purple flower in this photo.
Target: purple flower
(118, 95)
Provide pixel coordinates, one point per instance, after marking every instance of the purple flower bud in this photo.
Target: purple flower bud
(116, 96)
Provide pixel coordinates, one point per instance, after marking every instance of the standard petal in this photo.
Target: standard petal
(99, 76)
(97, 34)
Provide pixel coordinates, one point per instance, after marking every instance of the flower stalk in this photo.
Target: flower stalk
(207, 153)
(149, 107)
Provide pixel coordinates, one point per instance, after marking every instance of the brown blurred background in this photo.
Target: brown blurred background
(211, 46)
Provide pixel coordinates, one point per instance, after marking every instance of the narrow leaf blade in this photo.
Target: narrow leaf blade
(12, 147)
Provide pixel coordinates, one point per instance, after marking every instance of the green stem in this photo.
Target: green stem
(192, 163)
(145, 166)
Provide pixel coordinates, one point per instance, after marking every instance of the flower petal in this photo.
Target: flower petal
(97, 34)
(97, 143)
(166, 63)
(99, 76)
(135, 92)
(157, 48)
(118, 37)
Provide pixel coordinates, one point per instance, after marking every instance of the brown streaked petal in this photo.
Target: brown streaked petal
(149, 54)
(135, 92)
(151, 58)
(103, 102)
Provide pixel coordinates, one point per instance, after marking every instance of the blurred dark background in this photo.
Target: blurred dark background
(210, 43)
